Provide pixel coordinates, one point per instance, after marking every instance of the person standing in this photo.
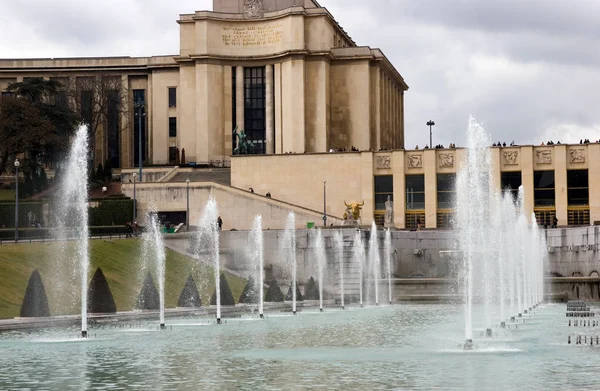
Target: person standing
(220, 223)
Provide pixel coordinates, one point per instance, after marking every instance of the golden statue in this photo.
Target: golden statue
(353, 209)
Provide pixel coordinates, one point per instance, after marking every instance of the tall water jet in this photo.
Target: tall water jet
(388, 260)
(154, 250)
(208, 240)
(472, 207)
(289, 245)
(339, 253)
(257, 243)
(374, 260)
(72, 213)
(321, 258)
(358, 259)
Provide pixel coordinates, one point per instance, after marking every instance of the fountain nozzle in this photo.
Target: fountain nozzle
(218, 320)
(83, 333)
(321, 309)
(343, 308)
(162, 326)
(503, 325)
(488, 332)
(262, 316)
(294, 312)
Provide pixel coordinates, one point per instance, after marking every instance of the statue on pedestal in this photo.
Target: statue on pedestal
(243, 144)
(389, 213)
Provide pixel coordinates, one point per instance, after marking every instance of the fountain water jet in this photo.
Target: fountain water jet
(339, 252)
(388, 260)
(507, 248)
(257, 243)
(72, 212)
(359, 255)
(289, 239)
(374, 260)
(320, 256)
(154, 248)
(208, 238)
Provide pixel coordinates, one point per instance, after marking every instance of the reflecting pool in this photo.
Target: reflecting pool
(404, 346)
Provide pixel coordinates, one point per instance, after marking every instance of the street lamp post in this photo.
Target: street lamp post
(324, 202)
(187, 213)
(134, 198)
(140, 105)
(430, 123)
(17, 164)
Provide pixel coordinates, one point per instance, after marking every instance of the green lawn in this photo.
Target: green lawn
(119, 261)
(6, 194)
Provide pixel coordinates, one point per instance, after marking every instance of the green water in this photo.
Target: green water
(398, 347)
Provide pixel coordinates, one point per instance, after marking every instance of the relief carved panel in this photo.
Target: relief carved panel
(254, 8)
(510, 157)
(577, 155)
(446, 159)
(383, 162)
(544, 156)
(415, 161)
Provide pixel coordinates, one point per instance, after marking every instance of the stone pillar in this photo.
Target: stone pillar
(560, 183)
(239, 97)
(430, 171)
(269, 112)
(399, 189)
(593, 155)
(527, 179)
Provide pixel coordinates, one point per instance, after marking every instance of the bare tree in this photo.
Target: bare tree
(103, 104)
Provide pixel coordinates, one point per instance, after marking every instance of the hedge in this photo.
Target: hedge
(7, 213)
(109, 212)
(46, 233)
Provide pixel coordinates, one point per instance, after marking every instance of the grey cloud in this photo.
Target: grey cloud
(526, 68)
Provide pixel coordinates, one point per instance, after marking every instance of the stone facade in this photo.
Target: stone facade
(321, 90)
(298, 178)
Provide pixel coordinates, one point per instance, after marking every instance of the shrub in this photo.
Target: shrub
(226, 295)
(311, 291)
(274, 293)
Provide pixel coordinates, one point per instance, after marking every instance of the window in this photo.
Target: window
(233, 106)
(510, 182)
(543, 188)
(446, 191)
(545, 216)
(445, 219)
(578, 216)
(384, 188)
(255, 108)
(113, 125)
(414, 220)
(577, 187)
(172, 127)
(172, 97)
(87, 101)
(139, 122)
(173, 155)
(415, 192)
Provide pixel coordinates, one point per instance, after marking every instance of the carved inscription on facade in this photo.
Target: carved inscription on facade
(544, 156)
(510, 157)
(415, 161)
(446, 159)
(577, 155)
(383, 162)
(248, 36)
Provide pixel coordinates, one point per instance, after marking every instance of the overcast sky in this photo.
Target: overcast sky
(529, 70)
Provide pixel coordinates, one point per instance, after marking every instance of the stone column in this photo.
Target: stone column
(430, 171)
(269, 112)
(594, 186)
(527, 179)
(239, 97)
(560, 183)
